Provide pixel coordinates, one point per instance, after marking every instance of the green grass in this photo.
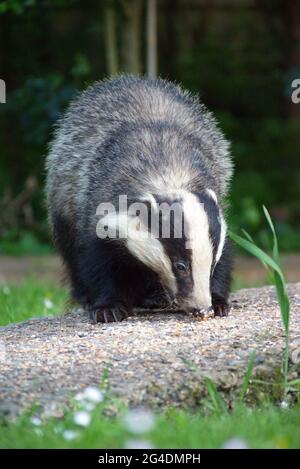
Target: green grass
(267, 427)
(30, 299)
(19, 243)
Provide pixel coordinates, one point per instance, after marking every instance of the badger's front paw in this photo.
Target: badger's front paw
(221, 308)
(109, 314)
(156, 299)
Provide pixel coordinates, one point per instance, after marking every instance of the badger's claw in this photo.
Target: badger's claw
(113, 314)
(221, 308)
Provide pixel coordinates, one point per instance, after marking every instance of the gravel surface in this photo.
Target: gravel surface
(151, 359)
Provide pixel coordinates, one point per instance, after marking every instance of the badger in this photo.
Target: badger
(154, 143)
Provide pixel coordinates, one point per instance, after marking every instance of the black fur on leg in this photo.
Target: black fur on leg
(115, 280)
(64, 239)
(156, 298)
(105, 278)
(221, 281)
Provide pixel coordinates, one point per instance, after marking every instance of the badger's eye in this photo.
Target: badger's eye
(181, 267)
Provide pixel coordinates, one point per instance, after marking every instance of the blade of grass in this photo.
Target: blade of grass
(217, 401)
(255, 251)
(275, 241)
(283, 300)
(248, 236)
(247, 377)
(282, 295)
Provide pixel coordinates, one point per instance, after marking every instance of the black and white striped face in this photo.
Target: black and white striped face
(185, 265)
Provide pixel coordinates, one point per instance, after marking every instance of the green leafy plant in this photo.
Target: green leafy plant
(273, 265)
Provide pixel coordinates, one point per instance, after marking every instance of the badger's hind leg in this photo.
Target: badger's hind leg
(221, 281)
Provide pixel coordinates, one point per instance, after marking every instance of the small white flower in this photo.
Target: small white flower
(139, 420)
(36, 421)
(284, 405)
(70, 435)
(6, 290)
(82, 418)
(138, 444)
(235, 443)
(79, 397)
(93, 394)
(48, 303)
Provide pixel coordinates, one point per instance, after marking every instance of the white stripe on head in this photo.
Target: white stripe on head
(222, 238)
(151, 252)
(198, 240)
(223, 227)
(141, 245)
(212, 194)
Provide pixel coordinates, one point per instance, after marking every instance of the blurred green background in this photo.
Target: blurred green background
(240, 56)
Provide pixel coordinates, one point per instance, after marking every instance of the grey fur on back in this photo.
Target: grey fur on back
(132, 135)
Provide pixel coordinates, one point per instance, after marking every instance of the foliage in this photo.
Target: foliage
(16, 6)
(40, 100)
(244, 84)
(18, 242)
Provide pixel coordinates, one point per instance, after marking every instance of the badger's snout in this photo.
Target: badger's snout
(200, 311)
(190, 305)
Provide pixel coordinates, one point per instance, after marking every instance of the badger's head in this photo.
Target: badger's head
(180, 236)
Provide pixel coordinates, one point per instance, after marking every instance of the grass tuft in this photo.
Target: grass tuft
(273, 265)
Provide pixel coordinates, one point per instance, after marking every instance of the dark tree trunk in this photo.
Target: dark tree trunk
(151, 38)
(131, 36)
(111, 39)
